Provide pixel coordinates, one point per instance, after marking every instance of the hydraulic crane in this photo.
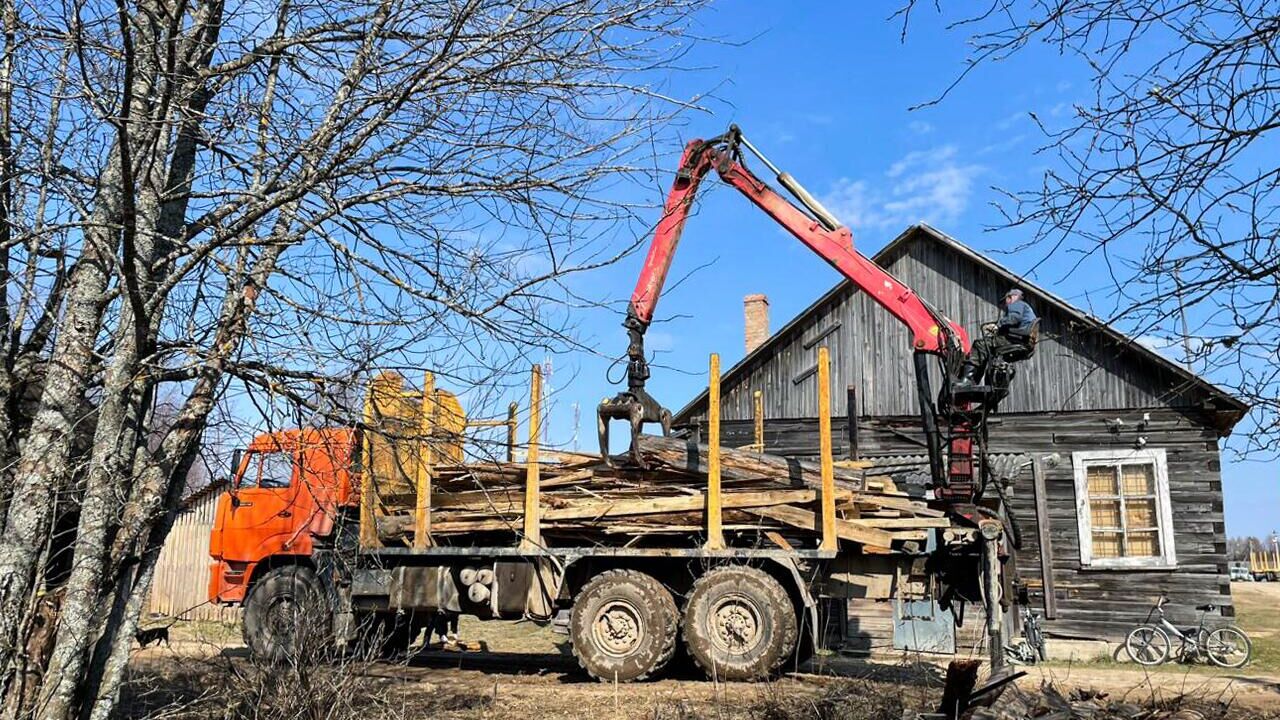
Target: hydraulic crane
(935, 338)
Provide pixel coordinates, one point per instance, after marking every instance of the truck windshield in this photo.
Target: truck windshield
(270, 469)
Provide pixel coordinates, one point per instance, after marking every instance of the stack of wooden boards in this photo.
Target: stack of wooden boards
(767, 501)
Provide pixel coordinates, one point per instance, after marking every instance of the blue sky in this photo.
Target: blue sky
(825, 90)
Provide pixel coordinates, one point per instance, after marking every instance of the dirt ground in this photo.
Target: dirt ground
(517, 670)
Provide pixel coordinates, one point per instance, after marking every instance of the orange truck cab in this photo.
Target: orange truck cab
(286, 491)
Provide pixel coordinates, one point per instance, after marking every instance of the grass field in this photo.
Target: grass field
(1258, 614)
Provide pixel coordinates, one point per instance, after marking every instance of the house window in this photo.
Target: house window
(1122, 502)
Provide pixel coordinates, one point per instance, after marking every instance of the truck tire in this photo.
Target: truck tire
(623, 626)
(739, 623)
(286, 615)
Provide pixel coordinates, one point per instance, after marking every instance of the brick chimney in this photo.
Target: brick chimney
(755, 311)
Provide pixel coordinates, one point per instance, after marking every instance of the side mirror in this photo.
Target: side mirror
(237, 457)
(233, 481)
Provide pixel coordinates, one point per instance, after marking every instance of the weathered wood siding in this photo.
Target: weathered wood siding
(1076, 366)
(181, 584)
(1091, 603)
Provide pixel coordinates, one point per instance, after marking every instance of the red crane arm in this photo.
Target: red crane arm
(931, 332)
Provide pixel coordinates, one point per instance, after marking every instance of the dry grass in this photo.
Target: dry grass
(222, 688)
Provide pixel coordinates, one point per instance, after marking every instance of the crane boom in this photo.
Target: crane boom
(932, 334)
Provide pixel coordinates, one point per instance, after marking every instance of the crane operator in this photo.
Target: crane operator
(1012, 330)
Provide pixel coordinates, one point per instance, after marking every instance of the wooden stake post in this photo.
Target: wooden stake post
(368, 522)
(422, 507)
(829, 539)
(532, 508)
(715, 532)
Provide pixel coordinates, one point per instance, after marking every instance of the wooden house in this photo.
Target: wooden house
(1109, 451)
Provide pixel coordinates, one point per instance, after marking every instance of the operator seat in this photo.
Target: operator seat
(1018, 353)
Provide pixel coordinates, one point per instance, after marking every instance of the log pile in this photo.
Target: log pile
(768, 501)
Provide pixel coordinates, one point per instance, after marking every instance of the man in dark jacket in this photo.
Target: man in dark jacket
(1013, 329)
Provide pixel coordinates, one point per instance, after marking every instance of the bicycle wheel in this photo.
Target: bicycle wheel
(1228, 647)
(1147, 645)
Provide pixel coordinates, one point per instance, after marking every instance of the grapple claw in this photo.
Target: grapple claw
(637, 407)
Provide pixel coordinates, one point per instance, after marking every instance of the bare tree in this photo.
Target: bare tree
(279, 195)
(1166, 174)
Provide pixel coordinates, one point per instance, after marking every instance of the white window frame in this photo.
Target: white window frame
(1081, 460)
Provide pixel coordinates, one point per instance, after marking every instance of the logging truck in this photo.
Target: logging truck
(345, 537)
(333, 536)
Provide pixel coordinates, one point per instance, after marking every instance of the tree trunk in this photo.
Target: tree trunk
(43, 469)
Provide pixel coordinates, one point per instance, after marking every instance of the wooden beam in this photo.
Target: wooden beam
(422, 500)
(909, 523)
(829, 540)
(715, 518)
(807, 520)
(678, 503)
(684, 455)
(1043, 538)
(532, 500)
(776, 538)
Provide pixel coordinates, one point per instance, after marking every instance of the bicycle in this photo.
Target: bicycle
(1030, 647)
(1148, 644)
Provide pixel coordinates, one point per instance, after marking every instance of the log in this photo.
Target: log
(737, 465)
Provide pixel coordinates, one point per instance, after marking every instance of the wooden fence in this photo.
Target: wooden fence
(181, 584)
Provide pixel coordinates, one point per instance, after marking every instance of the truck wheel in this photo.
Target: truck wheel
(623, 626)
(739, 623)
(286, 617)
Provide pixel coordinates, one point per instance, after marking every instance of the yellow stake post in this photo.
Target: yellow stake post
(368, 521)
(829, 539)
(422, 508)
(532, 509)
(715, 533)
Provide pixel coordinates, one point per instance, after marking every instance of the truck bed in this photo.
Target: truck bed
(768, 502)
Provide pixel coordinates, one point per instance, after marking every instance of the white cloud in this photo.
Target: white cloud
(929, 185)
(1012, 119)
(920, 127)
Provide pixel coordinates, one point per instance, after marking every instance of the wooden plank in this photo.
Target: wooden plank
(912, 523)
(1043, 529)
(715, 535)
(829, 539)
(684, 455)
(422, 499)
(808, 520)
(680, 503)
(532, 505)
(776, 538)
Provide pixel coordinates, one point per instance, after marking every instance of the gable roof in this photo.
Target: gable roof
(1233, 407)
